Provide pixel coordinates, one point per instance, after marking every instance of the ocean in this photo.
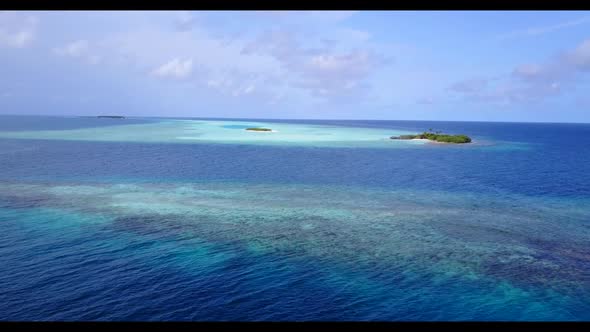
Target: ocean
(149, 219)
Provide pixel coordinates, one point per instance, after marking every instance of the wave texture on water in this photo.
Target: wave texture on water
(394, 250)
(322, 220)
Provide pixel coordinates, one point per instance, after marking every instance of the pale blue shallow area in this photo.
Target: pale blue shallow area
(101, 223)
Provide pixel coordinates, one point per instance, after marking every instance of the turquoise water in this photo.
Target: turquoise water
(226, 132)
(325, 221)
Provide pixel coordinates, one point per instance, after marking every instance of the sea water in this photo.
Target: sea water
(199, 219)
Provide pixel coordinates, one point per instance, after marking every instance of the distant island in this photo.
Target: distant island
(111, 116)
(437, 137)
(258, 129)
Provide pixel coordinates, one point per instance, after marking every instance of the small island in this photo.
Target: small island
(258, 129)
(437, 137)
(111, 116)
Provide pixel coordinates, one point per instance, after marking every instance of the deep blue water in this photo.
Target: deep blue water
(79, 261)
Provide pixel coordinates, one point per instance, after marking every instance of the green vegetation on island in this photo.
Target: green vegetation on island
(111, 116)
(258, 129)
(437, 137)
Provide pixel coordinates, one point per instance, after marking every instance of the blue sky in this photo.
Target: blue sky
(407, 65)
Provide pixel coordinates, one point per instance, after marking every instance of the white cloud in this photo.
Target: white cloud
(75, 49)
(532, 82)
(184, 21)
(235, 83)
(222, 67)
(527, 71)
(245, 90)
(322, 71)
(425, 101)
(150, 46)
(94, 59)
(175, 68)
(80, 49)
(321, 17)
(331, 16)
(472, 85)
(17, 30)
(336, 74)
(536, 31)
(580, 56)
(276, 98)
(336, 63)
(328, 62)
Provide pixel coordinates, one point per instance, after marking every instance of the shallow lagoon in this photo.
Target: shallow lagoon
(226, 132)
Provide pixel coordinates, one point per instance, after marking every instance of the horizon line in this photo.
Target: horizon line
(300, 119)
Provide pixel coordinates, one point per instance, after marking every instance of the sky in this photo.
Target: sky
(524, 66)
